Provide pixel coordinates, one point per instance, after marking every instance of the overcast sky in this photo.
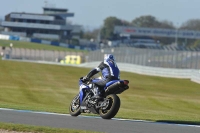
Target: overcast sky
(91, 13)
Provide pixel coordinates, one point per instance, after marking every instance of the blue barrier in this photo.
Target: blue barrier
(55, 43)
(36, 40)
(16, 38)
(71, 46)
(82, 47)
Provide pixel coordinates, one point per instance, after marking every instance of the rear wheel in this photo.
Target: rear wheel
(112, 105)
(74, 108)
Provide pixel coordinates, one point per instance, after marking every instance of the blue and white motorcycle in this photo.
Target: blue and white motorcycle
(107, 107)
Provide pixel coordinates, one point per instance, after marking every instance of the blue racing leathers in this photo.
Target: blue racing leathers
(109, 70)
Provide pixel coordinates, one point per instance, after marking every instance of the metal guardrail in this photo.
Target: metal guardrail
(192, 74)
(153, 71)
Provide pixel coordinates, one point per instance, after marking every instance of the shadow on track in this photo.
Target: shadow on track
(179, 122)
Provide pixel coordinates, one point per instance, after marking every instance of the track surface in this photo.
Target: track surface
(92, 123)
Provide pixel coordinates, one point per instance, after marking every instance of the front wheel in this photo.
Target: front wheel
(74, 108)
(111, 108)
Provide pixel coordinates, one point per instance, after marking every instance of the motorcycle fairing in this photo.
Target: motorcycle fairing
(82, 89)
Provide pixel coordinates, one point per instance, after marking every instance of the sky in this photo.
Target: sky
(92, 13)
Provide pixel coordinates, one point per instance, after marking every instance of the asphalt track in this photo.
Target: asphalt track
(92, 123)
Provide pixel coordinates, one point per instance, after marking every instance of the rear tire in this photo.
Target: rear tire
(112, 108)
(74, 108)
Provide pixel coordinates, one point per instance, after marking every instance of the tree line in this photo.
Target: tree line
(148, 21)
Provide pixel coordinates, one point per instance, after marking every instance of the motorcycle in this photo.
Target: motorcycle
(107, 107)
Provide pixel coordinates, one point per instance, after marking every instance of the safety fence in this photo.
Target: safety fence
(42, 55)
(136, 56)
(150, 57)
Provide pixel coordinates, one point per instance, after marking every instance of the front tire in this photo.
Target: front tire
(74, 108)
(112, 107)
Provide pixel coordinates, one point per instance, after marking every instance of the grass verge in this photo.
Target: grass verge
(38, 129)
(43, 87)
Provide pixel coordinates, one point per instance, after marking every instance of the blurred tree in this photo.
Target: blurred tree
(148, 21)
(1, 28)
(145, 21)
(151, 22)
(108, 27)
(165, 25)
(196, 43)
(193, 24)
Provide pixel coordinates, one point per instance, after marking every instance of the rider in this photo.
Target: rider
(109, 70)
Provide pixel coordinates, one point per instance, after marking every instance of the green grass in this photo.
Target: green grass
(38, 129)
(30, 45)
(51, 88)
